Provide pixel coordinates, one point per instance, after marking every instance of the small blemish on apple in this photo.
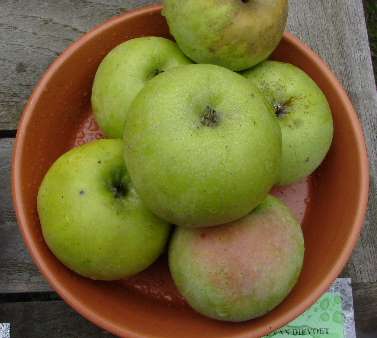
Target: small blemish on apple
(298, 122)
(82, 192)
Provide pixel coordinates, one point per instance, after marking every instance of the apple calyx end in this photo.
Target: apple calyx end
(119, 190)
(281, 109)
(210, 117)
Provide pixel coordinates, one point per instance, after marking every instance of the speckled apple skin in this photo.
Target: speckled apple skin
(242, 270)
(306, 123)
(196, 175)
(124, 72)
(233, 33)
(92, 229)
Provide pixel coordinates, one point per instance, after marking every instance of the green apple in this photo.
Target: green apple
(236, 34)
(201, 146)
(123, 72)
(303, 113)
(91, 217)
(242, 270)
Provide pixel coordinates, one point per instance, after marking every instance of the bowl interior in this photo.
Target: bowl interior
(331, 203)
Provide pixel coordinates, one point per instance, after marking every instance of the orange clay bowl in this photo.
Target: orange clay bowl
(331, 203)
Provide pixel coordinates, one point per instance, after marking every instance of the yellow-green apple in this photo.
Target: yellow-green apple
(241, 270)
(303, 113)
(236, 34)
(91, 217)
(201, 146)
(123, 72)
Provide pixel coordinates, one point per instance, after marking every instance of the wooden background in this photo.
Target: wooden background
(34, 32)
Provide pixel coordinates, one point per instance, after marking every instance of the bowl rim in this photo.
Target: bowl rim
(107, 323)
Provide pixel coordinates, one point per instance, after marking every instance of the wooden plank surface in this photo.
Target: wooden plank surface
(34, 32)
(47, 319)
(17, 271)
(40, 317)
(365, 303)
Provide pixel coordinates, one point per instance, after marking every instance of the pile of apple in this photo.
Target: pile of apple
(199, 146)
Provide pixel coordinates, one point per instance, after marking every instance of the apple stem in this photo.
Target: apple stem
(157, 72)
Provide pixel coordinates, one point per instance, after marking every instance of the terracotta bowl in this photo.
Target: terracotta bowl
(331, 204)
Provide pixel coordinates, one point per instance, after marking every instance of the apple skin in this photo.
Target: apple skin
(241, 270)
(123, 72)
(91, 217)
(234, 34)
(201, 146)
(303, 113)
